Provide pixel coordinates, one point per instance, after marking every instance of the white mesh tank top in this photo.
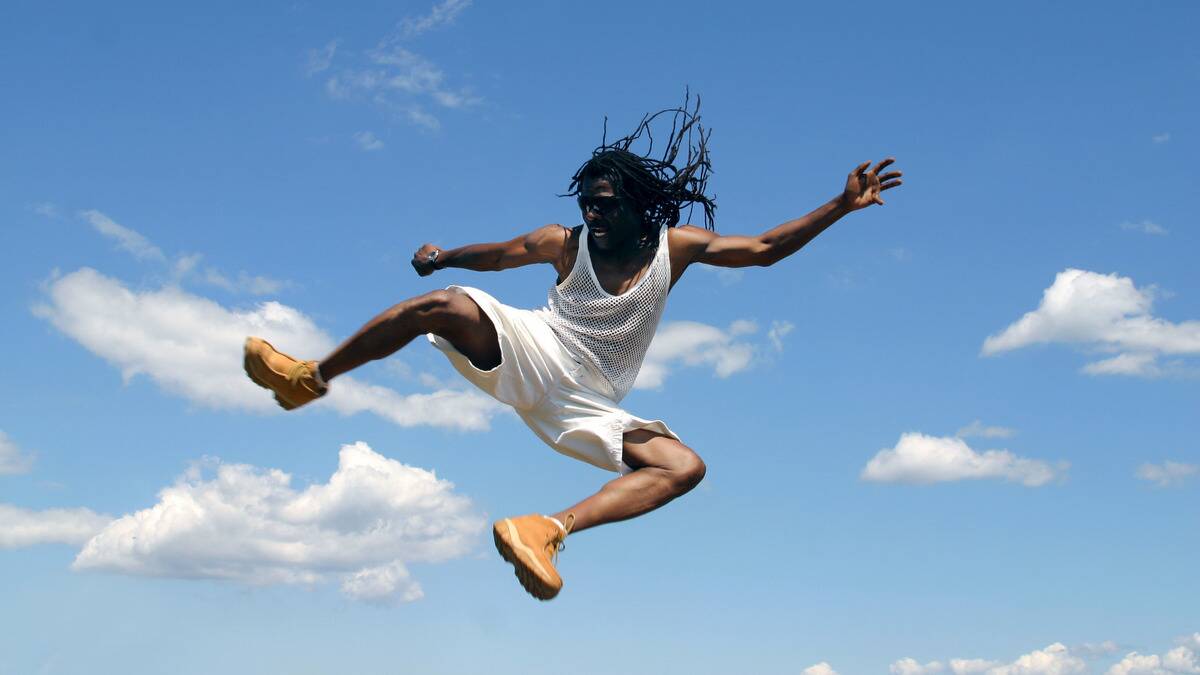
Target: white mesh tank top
(611, 331)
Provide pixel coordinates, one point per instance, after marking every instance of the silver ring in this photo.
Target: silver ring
(433, 256)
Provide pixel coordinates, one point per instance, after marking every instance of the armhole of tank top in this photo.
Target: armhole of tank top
(581, 250)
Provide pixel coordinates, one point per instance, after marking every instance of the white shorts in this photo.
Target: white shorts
(555, 392)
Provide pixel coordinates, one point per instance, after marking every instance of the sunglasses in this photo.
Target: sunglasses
(599, 204)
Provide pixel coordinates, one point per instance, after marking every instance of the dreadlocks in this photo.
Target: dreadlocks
(657, 187)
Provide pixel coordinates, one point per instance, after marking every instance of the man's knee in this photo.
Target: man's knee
(439, 311)
(689, 471)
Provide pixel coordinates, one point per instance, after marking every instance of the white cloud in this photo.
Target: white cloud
(386, 584)
(126, 239)
(972, 666)
(1161, 138)
(1168, 473)
(319, 60)
(778, 330)
(1058, 659)
(240, 523)
(691, 343)
(192, 347)
(1055, 659)
(900, 254)
(910, 666)
(821, 668)
(1145, 227)
(1138, 365)
(976, 429)
(22, 527)
(1181, 660)
(368, 141)
(921, 459)
(440, 14)
(12, 460)
(1104, 312)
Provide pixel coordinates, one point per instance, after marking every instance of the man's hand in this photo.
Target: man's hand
(863, 187)
(424, 259)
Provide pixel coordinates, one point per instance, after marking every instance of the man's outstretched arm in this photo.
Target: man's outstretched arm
(543, 245)
(862, 190)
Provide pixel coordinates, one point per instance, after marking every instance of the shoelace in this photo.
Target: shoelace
(561, 544)
(297, 372)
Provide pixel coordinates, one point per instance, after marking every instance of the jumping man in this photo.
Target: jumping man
(565, 368)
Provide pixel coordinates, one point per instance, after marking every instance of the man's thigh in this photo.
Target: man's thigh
(466, 326)
(644, 448)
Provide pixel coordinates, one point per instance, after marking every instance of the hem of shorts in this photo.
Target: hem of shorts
(448, 347)
(614, 443)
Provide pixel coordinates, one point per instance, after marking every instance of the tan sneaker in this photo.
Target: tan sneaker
(292, 381)
(531, 543)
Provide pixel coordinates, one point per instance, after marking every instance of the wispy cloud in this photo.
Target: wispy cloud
(977, 429)
(319, 60)
(1168, 473)
(20, 527)
(1160, 138)
(243, 283)
(439, 15)
(191, 346)
(46, 209)
(367, 141)
(400, 81)
(127, 239)
(12, 460)
(1106, 313)
(184, 266)
(1145, 227)
(777, 332)
(240, 523)
(920, 459)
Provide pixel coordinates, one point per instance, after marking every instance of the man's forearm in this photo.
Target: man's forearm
(791, 236)
(478, 257)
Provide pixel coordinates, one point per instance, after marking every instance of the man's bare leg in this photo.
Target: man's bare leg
(664, 469)
(453, 316)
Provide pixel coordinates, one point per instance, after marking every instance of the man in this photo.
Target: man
(565, 368)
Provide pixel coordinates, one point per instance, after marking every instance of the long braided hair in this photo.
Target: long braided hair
(657, 188)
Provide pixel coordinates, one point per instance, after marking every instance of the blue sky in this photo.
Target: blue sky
(958, 429)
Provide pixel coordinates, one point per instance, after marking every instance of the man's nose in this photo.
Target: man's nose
(591, 213)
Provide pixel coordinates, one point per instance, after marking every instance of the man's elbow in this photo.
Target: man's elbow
(765, 255)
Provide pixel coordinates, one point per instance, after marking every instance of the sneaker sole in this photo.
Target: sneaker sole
(522, 558)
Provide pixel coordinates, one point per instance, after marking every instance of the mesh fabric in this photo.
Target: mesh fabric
(613, 332)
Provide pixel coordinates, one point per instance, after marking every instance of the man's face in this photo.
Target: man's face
(610, 218)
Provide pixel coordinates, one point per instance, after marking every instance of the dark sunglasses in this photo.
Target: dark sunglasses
(599, 204)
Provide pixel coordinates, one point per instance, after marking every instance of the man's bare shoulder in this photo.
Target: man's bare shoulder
(549, 239)
(688, 239)
(691, 233)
